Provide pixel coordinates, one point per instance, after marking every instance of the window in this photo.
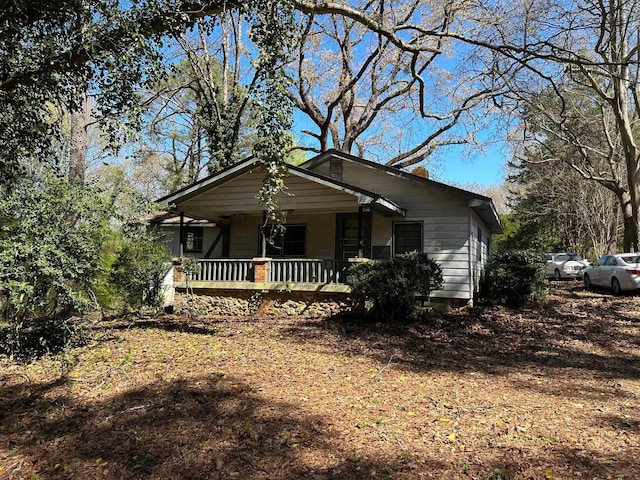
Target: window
(407, 237)
(479, 246)
(291, 243)
(611, 261)
(347, 236)
(193, 239)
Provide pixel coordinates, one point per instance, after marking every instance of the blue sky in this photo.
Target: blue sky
(460, 167)
(465, 165)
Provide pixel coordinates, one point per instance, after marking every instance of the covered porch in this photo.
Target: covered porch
(328, 226)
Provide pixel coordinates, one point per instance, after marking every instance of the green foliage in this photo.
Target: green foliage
(139, 269)
(35, 338)
(52, 51)
(273, 30)
(532, 234)
(50, 241)
(106, 292)
(392, 287)
(513, 278)
(47, 257)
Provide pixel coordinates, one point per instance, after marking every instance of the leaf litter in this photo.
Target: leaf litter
(479, 393)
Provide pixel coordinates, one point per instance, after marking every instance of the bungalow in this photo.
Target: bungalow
(339, 209)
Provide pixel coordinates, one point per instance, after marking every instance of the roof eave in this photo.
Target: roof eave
(487, 212)
(195, 188)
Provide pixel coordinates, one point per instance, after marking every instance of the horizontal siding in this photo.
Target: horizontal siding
(449, 271)
(381, 230)
(243, 236)
(239, 196)
(320, 235)
(452, 294)
(445, 218)
(461, 259)
(170, 236)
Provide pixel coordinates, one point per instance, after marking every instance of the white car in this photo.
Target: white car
(565, 265)
(618, 272)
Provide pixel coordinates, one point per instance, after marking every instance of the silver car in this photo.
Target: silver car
(618, 272)
(565, 265)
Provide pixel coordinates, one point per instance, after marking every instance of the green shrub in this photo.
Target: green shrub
(392, 288)
(514, 277)
(139, 269)
(29, 339)
(50, 237)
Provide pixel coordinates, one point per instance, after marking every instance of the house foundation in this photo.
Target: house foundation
(242, 302)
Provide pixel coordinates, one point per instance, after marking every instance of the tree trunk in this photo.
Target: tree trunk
(633, 176)
(629, 224)
(78, 140)
(612, 242)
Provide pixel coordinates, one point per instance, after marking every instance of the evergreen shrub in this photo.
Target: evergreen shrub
(28, 339)
(514, 278)
(50, 237)
(139, 269)
(392, 288)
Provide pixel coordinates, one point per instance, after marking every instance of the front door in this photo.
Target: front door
(347, 235)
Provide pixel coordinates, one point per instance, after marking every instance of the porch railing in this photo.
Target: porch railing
(305, 270)
(298, 270)
(224, 270)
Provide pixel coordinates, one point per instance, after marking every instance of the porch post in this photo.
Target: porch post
(263, 239)
(360, 240)
(261, 268)
(225, 240)
(181, 235)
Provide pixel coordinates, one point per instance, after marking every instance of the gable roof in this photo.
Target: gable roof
(364, 197)
(481, 204)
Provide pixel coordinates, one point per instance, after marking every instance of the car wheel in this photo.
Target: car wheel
(587, 281)
(556, 275)
(615, 286)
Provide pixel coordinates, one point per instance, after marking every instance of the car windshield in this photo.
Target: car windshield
(575, 257)
(631, 259)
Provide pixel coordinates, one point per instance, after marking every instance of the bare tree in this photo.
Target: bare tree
(363, 91)
(591, 43)
(198, 117)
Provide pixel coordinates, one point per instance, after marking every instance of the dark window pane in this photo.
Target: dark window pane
(274, 249)
(193, 240)
(407, 237)
(290, 244)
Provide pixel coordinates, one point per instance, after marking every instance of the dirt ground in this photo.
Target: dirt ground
(488, 393)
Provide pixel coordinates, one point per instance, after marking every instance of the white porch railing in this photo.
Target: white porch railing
(307, 270)
(294, 270)
(224, 270)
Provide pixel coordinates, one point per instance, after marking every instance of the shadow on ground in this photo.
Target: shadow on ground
(207, 428)
(583, 331)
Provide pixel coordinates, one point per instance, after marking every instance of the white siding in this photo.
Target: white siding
(479, 250)
(243, 236)
(381, 230)
(239, 196)
(445, 216)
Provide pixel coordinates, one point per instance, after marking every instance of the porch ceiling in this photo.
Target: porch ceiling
(233, 192)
